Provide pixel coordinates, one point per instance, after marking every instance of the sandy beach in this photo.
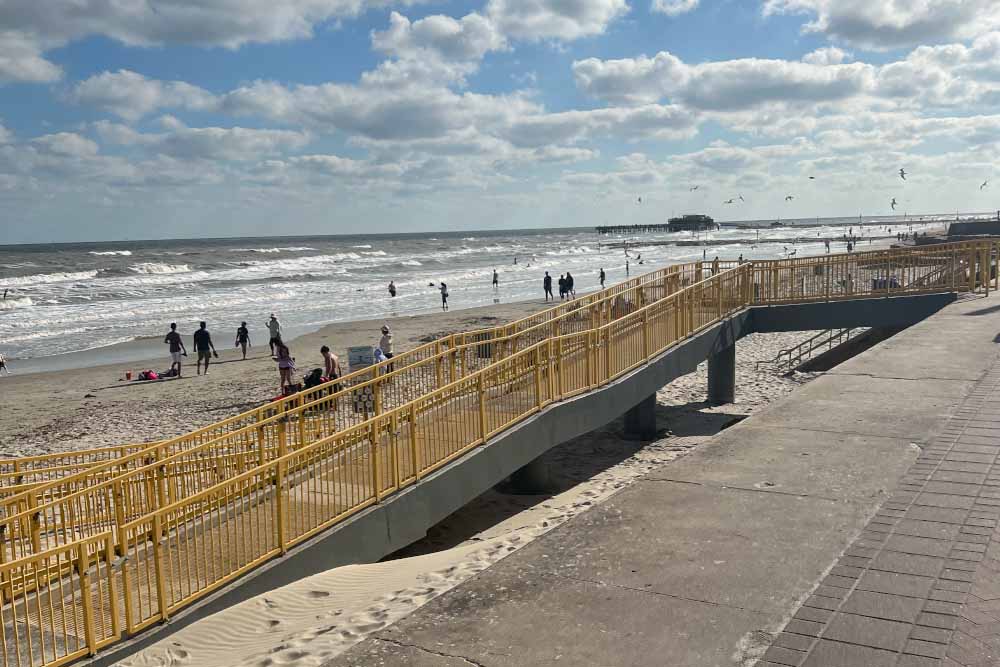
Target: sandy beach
(314, 619)
(94, 407)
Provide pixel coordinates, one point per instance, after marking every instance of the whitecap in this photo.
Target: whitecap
(103, 253)
(46, 278)
(158, 268)
(20, 302)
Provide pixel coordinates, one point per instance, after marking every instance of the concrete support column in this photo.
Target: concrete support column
(532, 479)
(640, 421)
(722, 376)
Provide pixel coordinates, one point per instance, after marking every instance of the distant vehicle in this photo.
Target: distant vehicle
(692, 223)
(778, 223)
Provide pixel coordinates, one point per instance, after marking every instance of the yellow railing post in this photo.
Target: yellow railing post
(35, 524)
(972, 269)
(118, 493)
(413, 440)
(302, 421)
(126, 581)
(645, 332)
(590, 352)
(481, 390)
(560, 367)
(373, 455)
(82, 567)
(280, 505)
(161, 586)
(538, 377)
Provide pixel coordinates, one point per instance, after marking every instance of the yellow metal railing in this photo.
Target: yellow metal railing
(193, 521)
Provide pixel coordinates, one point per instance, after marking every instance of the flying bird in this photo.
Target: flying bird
(742, 199)
(812, 178)
(893, 204)
(729, 201)
(695, 188)
(902, 174)
(640, 200)
(985, 183)
(789, 198)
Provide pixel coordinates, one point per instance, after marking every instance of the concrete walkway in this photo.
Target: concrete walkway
(851, 523)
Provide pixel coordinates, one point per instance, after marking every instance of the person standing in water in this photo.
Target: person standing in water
(204, 347)
(274, 328)
(496, 280)
(602, 277)
(547, 286)
(392, 289)
(243, 338)
(177, 349)
(444, 296)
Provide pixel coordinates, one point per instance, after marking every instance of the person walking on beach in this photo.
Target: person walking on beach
(392, 289)
(570, 288)
(177, 349)
(286, 364)
(3, 365)
(496, 280)
(602, 277)
(274, 328)
(204, 346)
(562, 287)
(385, 344)
(547, 286)
(444, 296)
(243, 339)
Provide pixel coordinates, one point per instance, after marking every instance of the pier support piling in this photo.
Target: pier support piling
(722, 376)
(640, 421)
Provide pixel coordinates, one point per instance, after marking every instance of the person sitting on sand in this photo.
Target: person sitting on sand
(444, 296)
(274, 328)
(177, 349)
(243, 339)
(286, 364)
(204, 346)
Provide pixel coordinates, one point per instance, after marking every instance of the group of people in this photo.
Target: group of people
(567, 285)
(280, 353)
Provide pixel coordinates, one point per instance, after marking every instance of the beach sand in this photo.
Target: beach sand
(94, 407)
(312, 620)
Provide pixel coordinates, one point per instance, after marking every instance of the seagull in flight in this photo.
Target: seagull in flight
(742, 199)
(695, 188)
(812, 178)
(640, 200)
(985, 183)
(789, 198)
(893, 204)
(729, 201)
(902, 174)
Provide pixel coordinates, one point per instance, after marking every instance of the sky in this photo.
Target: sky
(135, 119)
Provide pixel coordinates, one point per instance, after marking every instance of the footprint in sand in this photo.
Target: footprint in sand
(316, 595)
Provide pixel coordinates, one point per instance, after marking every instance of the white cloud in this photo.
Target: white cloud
(205, 143)
(674, 7)
(5, 135)
(724, 85)
(440, 37)
(68, 144)
(534, 20)
(891, 24)
(131, 95)
(21, 58)
(829, 55)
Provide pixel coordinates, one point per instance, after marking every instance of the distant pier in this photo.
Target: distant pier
(632, 229)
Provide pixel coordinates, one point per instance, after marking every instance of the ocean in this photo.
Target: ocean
(66, 299)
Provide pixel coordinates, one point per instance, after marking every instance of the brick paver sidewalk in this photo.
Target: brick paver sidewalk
(921, 585)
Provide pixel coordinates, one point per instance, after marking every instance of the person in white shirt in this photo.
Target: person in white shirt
(274, 328)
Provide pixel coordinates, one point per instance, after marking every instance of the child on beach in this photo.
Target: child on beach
(286, 365)
(243, 338)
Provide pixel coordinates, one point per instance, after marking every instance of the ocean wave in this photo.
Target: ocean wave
(106, 253)
(271, 251)
(375, 253)
(158, 268)
(574, 250)
(366, 247)
(46, 278)
(20, 302)
(410, 262)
